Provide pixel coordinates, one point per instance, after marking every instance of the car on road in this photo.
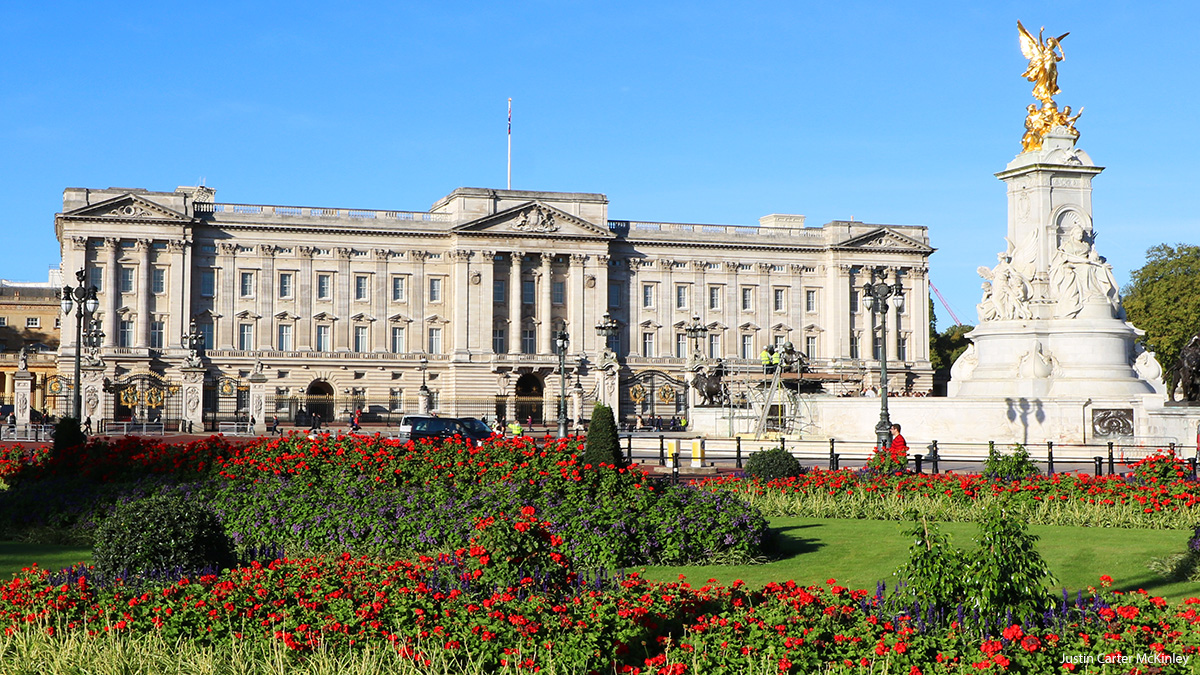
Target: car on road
(418, 427)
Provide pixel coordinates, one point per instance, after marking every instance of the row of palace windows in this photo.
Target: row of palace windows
(748, 348)
(127, 279)
(286, 286)
(32, 322)
(716, 295)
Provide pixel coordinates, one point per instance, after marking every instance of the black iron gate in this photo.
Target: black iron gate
(143, 398)
(225, 400)
(653, 395)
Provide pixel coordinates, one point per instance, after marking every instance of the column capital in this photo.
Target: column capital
(227, 248)
(177, 245)
(111, 243)
(79, 243)
(143, 245)
(579, 258)
(547, 258)
(268, 250)
(462, 254)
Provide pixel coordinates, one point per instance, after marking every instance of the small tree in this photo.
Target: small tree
(934, 573)
(603, 444)
(67, 435)
(1006, 572)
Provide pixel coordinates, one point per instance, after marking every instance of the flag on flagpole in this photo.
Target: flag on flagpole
(510, 117)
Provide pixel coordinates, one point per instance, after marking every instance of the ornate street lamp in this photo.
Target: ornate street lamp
(876, 298)
(193, 341)
(608, 329)
(93, 338)
(696, 332)
(84, 301)
(561, 341)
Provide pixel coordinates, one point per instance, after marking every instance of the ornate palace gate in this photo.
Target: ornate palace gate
(651, 393)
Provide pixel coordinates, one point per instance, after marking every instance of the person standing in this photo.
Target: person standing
(275, 425)
(899, 446)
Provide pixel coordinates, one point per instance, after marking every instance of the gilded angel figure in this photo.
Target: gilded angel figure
(1043, 62)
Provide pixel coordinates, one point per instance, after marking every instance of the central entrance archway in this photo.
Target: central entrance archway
(319, 399)
(530, 404)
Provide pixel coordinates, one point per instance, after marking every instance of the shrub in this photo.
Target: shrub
(603, 445)
(773, 463)
(1014, 466)
(67, 435)
(159, 533)
(934, 572)
(1006, 573)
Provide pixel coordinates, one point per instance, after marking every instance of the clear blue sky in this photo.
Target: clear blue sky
(690, 112)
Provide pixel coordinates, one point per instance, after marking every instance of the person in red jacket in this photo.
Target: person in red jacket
(899, 446)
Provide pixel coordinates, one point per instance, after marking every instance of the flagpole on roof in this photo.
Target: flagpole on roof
(510, 143)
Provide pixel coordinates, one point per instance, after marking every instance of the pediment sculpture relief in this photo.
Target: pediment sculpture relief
(537, 219)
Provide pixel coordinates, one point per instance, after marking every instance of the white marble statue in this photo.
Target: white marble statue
(1079, 274)
(1006, 293)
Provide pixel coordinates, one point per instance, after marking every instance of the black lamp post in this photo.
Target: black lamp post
(608, 329)
(876, 297)
(696, 332)
(83, 300)
(561, 341)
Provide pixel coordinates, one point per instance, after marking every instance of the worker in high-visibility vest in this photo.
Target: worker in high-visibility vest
(776, 359)
(768, 359)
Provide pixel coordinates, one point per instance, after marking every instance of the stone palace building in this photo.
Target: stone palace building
(457, 308)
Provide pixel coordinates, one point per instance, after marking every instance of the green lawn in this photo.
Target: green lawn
(859, 553)
(15, 555)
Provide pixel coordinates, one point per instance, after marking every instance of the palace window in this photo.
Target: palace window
(780, 296)
(902, 349)
(648, 345)
(33, 322)
(284, 344)
(158, 280)
(127, 280)
(245, 336)
(854, 347)
(528, 340)
(323, 343)
(810, 301)
(499, 291)
(324, 286)
(747, 346)
(206, 335)
(285, 285)
(714, 298)
(558, 293)
(499, 340)
(208, 283)
(157, 329)
(648, 295)
(614, 295)
(246, 288)
(681, 296)
(361, 288)
(435, 289)
(810, 346)
(527, 291)
(399, 345)
(398, 289)
(747, 298)
(96, 278)
(360, 339)
(125, 333)
(435, 340)
(714, 346)
(681, 345)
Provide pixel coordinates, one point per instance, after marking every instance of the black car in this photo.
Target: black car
(431, 427)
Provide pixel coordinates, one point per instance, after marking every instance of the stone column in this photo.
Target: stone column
(39, 391)
(575, 302)
(267, 291)
(514, 303)
(225, 333)
(193, 400)
(382, 296)
(545, 342)
(576, 406)
(258, 397)
(487, 305)
(732, 309)
(23, 399)
(417, 300)
(112, 294)
(92, 383)
(9, 387)
(510, 407)
(145, 296)
(179, 290)
(305, 294)
(461, 304)
(763, 304)
(594, 311)
(423, 401)
(343, 294)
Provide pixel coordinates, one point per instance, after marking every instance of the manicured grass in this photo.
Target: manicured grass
(859, 553)
(15, 555)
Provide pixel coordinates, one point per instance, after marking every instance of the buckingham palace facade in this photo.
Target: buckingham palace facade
(458, 308)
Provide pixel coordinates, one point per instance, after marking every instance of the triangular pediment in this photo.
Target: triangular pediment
(884, 239)
(399, 318)
(362, 316)
(247, 314)
(813, 328)
(650, 323)
(128, 207)
(781, 327)
(287, 316)
(324, 316)
(535, 219)
(749, 325)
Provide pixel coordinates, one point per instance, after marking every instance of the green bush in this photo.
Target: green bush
(603, 444)
(774, 463)
(160, 532)
(1013, 466)
(934, 572)
(1006, 573)
(67, 435)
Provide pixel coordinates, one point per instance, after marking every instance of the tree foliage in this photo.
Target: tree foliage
(603, 443)
(949, 345)
(1163, 299)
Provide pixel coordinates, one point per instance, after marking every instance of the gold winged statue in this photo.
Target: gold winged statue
(1043, 62)
(1044, 55)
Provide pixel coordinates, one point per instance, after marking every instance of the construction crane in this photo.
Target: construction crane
(945, 304)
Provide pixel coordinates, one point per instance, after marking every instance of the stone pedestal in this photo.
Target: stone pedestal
(423, 401)
(92, 383)
(193, 400)
(258, 398)
(22, 395)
